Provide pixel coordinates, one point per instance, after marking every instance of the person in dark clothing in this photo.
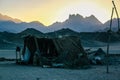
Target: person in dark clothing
(17, 49)
(18, 55)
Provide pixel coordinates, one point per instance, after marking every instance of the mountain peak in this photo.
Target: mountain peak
(7, 18)
(31, 31)
(75, 16)
(37, 22)
(92, 18)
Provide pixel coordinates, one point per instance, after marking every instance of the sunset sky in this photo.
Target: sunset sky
(50, 11)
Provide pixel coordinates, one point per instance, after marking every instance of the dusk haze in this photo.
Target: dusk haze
(50, 11)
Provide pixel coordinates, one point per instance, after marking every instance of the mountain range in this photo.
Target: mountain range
(76, 23)
(11, 40)
(7, 18)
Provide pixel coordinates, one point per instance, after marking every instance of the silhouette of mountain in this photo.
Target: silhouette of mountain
(78, 24)
(10, 26)
(30, 31)
(74, 22)
(63, 32)
(114, 25)
(11, 40)
(7, 18)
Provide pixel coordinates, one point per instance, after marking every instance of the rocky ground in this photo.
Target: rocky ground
(12, 71)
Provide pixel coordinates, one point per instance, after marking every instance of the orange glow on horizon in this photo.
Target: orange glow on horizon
(50, 11)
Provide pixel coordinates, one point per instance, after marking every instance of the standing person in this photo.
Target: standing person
(18, 55)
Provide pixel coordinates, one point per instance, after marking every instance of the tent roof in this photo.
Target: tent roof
(100, 51)
(68, 43)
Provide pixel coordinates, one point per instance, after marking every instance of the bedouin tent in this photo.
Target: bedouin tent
(66, 50)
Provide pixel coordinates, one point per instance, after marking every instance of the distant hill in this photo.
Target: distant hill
(11, 40)
(114, 25)
(30, 31)
(63, 32)
(100, 36)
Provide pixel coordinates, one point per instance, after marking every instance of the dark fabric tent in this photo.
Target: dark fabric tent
(100, 52)
(67, 50)
(97, 57)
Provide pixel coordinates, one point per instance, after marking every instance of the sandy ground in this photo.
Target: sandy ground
(11, 71)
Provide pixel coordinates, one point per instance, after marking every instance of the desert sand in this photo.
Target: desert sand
(12, 71)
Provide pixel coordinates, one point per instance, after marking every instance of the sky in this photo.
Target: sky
(50, 11)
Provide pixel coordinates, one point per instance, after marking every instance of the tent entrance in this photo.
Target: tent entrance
(47, 51)
(47, 48)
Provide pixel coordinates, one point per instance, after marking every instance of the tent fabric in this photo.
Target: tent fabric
(61, 50)
(69, 48)
(100, 52)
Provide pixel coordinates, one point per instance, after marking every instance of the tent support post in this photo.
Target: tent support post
(108, 42)
(107, 55)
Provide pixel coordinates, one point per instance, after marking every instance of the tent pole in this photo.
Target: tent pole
(111, 17)
(108, 42)
(107, 55)
(116, 14)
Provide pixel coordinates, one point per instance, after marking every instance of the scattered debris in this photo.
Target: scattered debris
(97, 57)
